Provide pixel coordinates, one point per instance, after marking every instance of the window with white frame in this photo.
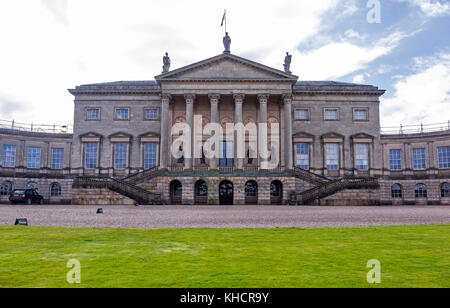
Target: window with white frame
(55, 190)
(302, 157)
(331, 114)
(93, 114)
(360, 115)
(120, 156)
(419, 159)
(57, 158)
(302, 114)
(151, 114)
(444, 157)
(332, 156)
(91, 155)
(122, 114)
(34, 158)
(362, 156)
(9, 156)
(395, 158)
(150, 155)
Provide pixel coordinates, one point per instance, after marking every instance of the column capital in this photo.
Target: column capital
(166, 98)
(190, 98)
(239, 98)
(214, 98)
(263, 98)
(287, 98)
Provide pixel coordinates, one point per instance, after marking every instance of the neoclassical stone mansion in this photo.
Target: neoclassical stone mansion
(329, 147)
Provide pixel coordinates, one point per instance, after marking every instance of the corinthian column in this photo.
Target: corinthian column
(239, 139)
(214, 101)
(288, 152)
(262, 133)
(164, 142)
(188, 151)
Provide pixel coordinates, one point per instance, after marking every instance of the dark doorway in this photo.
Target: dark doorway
(176, 192)
(201, 193)
(251, 193)
(226, 193)
(276, 193)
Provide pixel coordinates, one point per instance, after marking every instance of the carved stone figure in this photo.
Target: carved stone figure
(287, 63)
(227, 43)
(166, 62)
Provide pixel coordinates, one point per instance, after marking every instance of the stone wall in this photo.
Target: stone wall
(44, 186)
(352, 197)
(100, 196)
(408, 192)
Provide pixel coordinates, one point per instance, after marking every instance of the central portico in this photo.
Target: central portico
(226, 89)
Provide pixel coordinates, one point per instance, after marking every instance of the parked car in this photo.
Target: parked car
(28, 196)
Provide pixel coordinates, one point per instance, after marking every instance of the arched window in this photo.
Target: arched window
(397, 191)
(421, 191)
(251, 189)
(201, 189)
(276, 192)
(445, 190)
(55, 190)
(32, 185)
(176, 192)
(5, 188)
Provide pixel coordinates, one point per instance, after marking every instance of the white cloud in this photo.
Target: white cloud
(52, 45)
(423, 97)
(431, 8)
(339, 59)
(359, 79)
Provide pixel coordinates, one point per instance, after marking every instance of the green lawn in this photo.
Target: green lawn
(410, 256)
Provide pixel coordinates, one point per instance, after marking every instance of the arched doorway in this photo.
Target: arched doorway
(201, 193)
(176, 192)
(226, 193)
(276, 193)
(251, 192)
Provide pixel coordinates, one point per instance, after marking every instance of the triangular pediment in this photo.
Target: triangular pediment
(332, 135)
(120, 135)
(362, 136)
(226, 67)
(302, 135)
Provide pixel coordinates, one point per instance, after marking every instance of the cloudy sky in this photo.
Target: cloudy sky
(48, 46)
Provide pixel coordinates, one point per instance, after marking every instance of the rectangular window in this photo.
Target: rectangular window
(302, 159)
(9, 156)
(332, 156)
(444, 157)
(120, 156)
(302, 114)
(362, 156)
(419, 159)
(395, 157)
(93, 114)
(122, 114)
(90, 156)
(226, 154)
(150, 155)
(34, 158)
(360, 115)
(151, 114)
(331, 115)
(57, 158)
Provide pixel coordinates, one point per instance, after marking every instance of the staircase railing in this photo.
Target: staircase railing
(142, 176)
(132, 191)
(310, 177)
(332, 187)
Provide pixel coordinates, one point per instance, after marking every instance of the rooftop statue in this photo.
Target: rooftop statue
(227, 43)
(287, 63)
(166, 63)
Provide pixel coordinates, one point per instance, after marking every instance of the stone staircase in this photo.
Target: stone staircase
(332, 187)
(325, 187)
(122, 187)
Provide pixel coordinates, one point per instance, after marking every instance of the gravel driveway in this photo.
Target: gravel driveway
(223, 216)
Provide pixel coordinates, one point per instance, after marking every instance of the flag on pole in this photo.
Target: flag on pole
(224, 18)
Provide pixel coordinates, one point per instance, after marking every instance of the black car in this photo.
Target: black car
(28, 196)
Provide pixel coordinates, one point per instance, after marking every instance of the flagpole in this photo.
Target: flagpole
(225, 21)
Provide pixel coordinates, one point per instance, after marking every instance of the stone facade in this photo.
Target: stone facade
(315, 115)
